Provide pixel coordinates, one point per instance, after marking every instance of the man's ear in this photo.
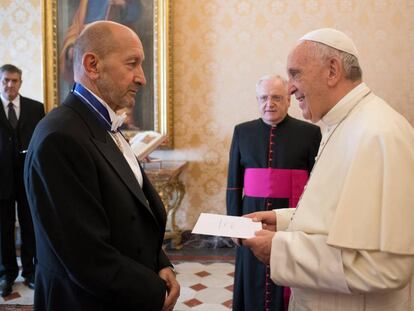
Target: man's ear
(91, 64)
(335, 71)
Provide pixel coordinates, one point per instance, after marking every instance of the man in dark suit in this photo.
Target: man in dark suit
(98, 221)
(18, 117)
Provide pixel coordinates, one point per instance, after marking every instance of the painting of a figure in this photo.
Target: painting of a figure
(72, 17)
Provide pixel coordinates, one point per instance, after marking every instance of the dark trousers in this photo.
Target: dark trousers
(253, 289)
(8, 262)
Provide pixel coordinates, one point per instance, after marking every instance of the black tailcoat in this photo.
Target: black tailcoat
(13, 144)
(99, 235)
(292, 144)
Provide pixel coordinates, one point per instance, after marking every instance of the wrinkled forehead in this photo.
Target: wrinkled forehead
(302, 56)
(300, 53)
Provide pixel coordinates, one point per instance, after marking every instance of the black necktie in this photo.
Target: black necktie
(12, 116)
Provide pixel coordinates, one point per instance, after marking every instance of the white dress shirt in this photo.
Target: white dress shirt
(16, 104)
(122, 144)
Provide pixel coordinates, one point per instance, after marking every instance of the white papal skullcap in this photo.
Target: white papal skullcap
(333, 38)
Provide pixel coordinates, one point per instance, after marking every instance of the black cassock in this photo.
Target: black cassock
(292, 144)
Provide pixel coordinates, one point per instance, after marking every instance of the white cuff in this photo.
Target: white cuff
(283, 217)
(306, 261)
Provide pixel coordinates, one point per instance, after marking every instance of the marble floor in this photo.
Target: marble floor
(21, 295)
(207, 286)
(205, 275)
(205, 267)
(204, 286)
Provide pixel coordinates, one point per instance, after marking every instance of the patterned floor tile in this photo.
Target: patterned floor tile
(197, 287)
(202, 274)
(12, 296)
(220, 267)
(181, 307)
(213, 295)
(228, 303)
(204, 287)
(217, 280)
(210, 307)
(189, 267)
(192, 302)
(210, 284)
(186, 293)
(188, 279)
(21, 295)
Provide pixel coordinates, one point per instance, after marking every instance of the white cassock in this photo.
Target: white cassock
(350, 244)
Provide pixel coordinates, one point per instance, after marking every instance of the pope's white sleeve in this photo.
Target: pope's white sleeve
(283, 217)
(374, 271)
(305, 260)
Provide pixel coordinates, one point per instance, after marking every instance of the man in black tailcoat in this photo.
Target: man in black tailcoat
(99, 223)
(19, 116)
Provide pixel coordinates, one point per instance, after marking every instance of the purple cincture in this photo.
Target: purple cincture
(275, 183)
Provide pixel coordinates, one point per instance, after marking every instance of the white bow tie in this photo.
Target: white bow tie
(117, 121)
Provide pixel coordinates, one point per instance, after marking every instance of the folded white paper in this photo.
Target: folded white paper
(229, 226)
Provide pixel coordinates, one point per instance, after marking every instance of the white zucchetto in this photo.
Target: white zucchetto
(333, 38)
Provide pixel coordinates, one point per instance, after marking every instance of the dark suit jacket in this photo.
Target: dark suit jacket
(31, 112)
(98, 234)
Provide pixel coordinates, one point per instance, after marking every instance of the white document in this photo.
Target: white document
(229, 226)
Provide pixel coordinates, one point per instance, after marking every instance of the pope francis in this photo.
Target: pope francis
(349, 244)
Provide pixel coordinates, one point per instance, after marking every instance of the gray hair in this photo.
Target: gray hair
(10, 68)
(272, 77)
(349, 62)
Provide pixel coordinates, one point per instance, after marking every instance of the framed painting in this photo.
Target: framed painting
(63, 20)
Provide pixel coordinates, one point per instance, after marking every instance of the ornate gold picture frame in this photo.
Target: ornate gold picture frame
(153, 111)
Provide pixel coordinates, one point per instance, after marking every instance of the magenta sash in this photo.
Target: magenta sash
(275, 183)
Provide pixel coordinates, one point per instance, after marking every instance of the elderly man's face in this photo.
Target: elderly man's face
(121, 72)
(306, 76)
(273, 100)
(10, 85)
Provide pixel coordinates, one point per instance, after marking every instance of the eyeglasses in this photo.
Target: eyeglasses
(273, 98)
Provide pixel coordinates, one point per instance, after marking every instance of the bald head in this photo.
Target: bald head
(100, 38)
(108, 61)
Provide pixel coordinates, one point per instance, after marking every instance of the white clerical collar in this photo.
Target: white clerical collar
(339, 111)
(116, 120)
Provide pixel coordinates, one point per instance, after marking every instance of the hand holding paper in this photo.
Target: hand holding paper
(261, 245)
(267, 218)
(228, 226)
